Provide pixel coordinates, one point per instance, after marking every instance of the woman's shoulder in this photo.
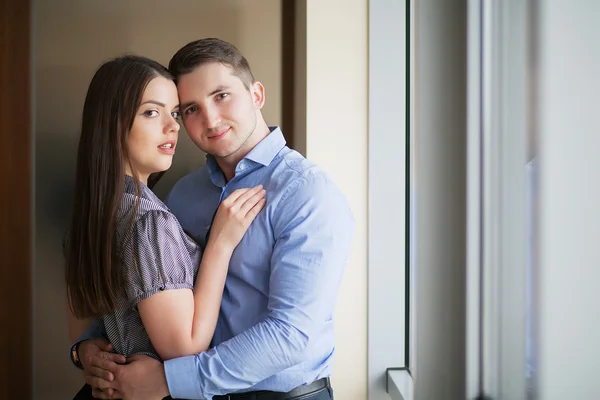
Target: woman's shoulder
(141, 206)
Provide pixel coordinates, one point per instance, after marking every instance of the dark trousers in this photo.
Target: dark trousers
(314, 391)
(85, 393)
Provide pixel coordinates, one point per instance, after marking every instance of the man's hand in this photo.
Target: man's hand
(141, 378)
(92, 349)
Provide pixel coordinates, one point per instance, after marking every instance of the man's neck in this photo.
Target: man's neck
(228, 164)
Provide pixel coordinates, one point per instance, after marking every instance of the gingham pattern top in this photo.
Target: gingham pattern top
(166, 259)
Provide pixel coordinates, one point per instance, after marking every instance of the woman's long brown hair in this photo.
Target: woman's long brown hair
(93, 274)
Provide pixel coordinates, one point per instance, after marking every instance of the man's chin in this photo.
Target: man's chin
(225, 153)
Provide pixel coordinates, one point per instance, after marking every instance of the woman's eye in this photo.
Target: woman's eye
(221, 96)
(176, 114)
(151, 113)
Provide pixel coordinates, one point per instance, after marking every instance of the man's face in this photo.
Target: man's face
(218, 110)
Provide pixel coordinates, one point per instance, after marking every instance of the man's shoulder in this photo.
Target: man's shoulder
(300, 177)
(307, 191)
(188, 184)
(191, 179)
(293, 166)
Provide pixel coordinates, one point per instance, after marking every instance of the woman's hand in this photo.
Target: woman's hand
(234, 216)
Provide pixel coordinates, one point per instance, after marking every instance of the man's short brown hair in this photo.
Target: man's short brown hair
(200, 52)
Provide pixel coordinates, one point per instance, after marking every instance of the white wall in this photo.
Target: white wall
(336, 139)
(72, 38)
(569, 251)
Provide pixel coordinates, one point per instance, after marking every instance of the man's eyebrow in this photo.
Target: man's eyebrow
(158, 103)
(220, 88)
(186, 104)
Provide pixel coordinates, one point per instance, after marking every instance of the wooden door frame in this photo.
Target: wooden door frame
(16, 203)
(288, 61)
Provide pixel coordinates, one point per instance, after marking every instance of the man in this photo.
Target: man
(275, 331)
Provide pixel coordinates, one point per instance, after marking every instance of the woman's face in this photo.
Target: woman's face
(153, 136)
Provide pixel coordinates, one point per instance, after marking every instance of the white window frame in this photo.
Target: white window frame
(388, 373)
(498, 115)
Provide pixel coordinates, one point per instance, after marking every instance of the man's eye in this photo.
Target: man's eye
(191, 110)
(221, 96)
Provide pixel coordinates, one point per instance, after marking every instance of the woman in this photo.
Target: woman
(129, 262)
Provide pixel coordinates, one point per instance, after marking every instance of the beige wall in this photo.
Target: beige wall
(72, 38)
(336, 126)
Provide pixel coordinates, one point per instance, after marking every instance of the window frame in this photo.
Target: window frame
(389, 210)
(498, 118)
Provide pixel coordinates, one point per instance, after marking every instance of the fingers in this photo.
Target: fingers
(100, 373)
(240, 195)
(249, 202)
(249, 194)
(98, 383)
(90, 347)
(114, 357)
(106, 361)
(233, 216)
(243, 203)
(106, 394)
(253, 212)
(98, 348)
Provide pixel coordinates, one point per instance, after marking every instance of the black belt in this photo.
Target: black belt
(314, 387)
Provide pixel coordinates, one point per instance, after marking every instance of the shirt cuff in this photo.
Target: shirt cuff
(93, 332)
(183, 378)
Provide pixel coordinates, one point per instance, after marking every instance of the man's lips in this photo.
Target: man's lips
(218, 135)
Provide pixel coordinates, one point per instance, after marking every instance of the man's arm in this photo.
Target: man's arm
(314, 228)
(92, 345)
(94, 331)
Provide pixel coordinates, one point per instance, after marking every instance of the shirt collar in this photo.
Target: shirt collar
(263, 153)
(266, 150)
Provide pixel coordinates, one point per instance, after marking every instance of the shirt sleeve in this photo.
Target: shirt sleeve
(313, 227)
(157, 256)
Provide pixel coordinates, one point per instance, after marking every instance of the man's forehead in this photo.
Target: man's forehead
(206, 81)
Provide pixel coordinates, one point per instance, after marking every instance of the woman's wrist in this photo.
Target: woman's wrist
(216, 248)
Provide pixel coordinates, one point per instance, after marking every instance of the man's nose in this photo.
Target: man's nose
(212, 117)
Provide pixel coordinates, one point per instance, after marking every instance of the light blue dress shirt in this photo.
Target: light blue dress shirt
(275, 329)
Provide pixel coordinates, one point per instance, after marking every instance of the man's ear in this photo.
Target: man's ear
(258, 94)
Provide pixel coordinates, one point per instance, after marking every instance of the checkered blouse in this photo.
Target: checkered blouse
(157, 255)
